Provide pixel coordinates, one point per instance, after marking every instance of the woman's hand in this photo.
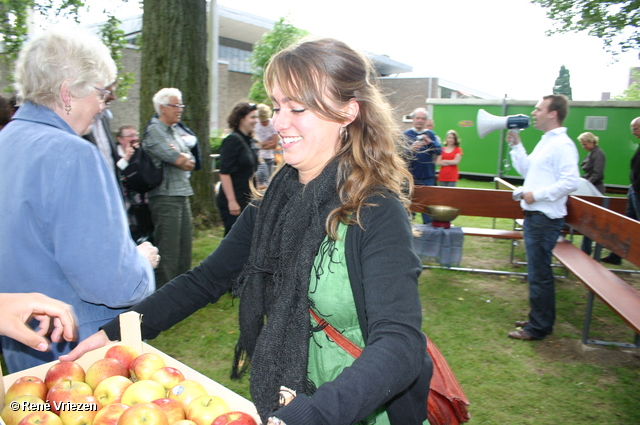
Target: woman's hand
(95, 341)
(234, 208)
(149, 251)
(17, 309)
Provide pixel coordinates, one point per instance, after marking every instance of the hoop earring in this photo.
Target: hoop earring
(68, 109)
(344, 133)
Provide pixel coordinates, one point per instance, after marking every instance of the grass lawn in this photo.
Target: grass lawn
(468, 316)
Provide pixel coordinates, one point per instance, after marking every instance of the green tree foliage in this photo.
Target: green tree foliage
(282, 35)
(113, 37)
(563, 83)
(13, 22)
(616, 23)
(13, 31)
(633, 91)
(174, 54)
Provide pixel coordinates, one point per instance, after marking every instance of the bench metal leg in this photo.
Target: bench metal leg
(587, 324)
(467, 269)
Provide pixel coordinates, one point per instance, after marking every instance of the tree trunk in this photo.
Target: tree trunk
(174, 54)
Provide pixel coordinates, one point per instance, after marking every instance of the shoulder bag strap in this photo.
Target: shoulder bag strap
(343, 342)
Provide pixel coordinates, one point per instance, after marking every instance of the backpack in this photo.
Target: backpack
(141, 175)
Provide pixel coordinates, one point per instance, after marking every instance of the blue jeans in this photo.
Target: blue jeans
(540, 237)
(632, 211)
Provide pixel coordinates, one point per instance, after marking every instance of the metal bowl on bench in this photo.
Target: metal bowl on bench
(442, 212)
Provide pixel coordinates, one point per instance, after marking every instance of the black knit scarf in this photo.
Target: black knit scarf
(273, 287)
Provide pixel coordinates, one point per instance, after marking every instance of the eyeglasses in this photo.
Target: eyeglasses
(130, 135)
(103, 92)
(175, 105)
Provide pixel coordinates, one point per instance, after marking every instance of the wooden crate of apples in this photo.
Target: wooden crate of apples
(126, 383)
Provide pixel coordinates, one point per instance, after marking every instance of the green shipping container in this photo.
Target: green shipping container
(489, 156)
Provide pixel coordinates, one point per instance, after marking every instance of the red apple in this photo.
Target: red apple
(168, 377)
(63, 391)
(124, 353)
(110, 414)
(80, 410)
(111, 389)
(143, 366)
(44, 417)
(27, 385)
(26, 405)
(143, 414)
(235, 418)
(144, 391)
(64, 371)
(102, 369)
(172, 408)
(204, 409)
(187, 391)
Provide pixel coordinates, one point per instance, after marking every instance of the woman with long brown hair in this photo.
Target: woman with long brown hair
(330, 238)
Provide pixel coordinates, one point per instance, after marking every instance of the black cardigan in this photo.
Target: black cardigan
(394, 368)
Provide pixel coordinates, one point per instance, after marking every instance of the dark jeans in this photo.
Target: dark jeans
(632, 211)
(540, 237)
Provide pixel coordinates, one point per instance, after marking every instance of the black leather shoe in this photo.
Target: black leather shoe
(521, 323)
(611, 260)
(521, 334)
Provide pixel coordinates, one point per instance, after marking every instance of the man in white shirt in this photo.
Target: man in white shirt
(550, 174)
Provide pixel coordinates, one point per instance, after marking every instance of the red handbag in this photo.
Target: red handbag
(446, 405)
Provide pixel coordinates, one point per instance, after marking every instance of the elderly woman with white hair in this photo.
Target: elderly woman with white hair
(64, 231)
(169, 202)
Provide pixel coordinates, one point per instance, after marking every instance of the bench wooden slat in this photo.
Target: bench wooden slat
(473, 202)
(612, 230)
(492, 233)
(613, 291)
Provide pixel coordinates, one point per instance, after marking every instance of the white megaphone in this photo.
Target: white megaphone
(488, 123)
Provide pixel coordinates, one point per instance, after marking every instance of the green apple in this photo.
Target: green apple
(144, 391)
(143, 414)
(27, 404)
(111, 389)
(80, 410)
(44, 417)
(205, 409)
(187, 391)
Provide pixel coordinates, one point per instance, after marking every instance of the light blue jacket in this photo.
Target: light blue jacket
(63, 228)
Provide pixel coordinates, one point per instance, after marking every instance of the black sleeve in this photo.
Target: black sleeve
(193, 290)
(230, 151)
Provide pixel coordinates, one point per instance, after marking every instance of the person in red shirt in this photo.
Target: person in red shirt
(448, 160)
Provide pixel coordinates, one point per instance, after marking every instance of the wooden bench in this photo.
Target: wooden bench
(608, 227)
(617, 233)
(472, 202)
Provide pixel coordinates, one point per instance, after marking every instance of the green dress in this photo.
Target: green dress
(330, 290)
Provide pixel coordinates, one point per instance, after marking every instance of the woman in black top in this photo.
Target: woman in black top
(331, 234)
(238, 163)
